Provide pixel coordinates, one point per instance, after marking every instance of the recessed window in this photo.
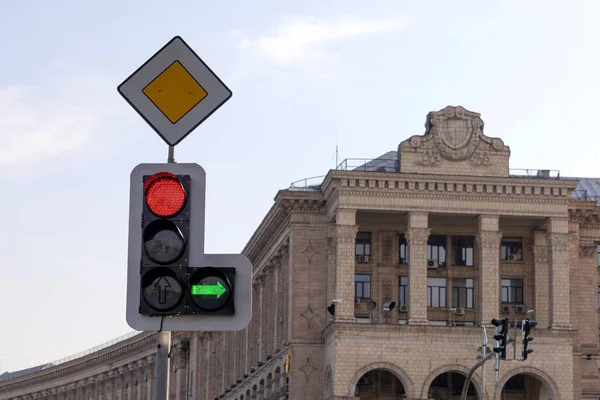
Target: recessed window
(462, 293)
(403, 291)
(403, 250)
(436, 292)
(436, 251)
(362, 286)
(462, 251)
(512, 249)
(363, 244)
(512, 290)
(598, 255)
(599, 297)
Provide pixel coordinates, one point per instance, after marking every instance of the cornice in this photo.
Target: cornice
(129, 350)
(507, 198)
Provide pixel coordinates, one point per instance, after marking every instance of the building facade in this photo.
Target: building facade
(444, 230)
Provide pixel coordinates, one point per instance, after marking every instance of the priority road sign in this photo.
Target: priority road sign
(174, 91)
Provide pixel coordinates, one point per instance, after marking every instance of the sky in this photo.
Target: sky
(306, 76)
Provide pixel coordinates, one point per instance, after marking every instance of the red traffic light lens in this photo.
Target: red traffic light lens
(165, 195)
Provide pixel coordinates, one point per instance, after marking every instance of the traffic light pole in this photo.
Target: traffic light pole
(478, 364)
(163, 346)
(161, 382)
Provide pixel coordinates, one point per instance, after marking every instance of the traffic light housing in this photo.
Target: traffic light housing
(500, 336)
(165, 239)
(525, 338)
(171, 283)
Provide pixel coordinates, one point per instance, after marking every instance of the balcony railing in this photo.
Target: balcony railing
(584, 196)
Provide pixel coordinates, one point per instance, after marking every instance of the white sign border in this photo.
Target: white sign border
(175, 50)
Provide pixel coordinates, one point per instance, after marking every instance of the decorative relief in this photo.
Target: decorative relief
(309, 315)
(455, 134)
(587, 251)
(540, 254)
(417, 236)
(489, 239)
(307, 369)
(309, 252)
(387, 248)
(346, 233)
(559, 241)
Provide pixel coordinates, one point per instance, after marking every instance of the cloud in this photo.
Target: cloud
(42, 122)
(300, 40)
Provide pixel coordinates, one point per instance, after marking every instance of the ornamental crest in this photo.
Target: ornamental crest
(455, 134)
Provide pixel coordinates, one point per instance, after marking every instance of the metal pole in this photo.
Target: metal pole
(161, 378)
(478, 364)
(484, 343)
(515, 345)
(171, 158)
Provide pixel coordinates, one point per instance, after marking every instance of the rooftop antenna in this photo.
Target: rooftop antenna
(337, 132)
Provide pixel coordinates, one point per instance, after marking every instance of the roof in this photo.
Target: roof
(10, 375)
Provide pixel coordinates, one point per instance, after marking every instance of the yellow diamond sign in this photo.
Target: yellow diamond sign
(174, 91)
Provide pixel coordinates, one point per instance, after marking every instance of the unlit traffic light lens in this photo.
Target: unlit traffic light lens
(165, 196)
(162, 289)
(163, 241)
(209, 289)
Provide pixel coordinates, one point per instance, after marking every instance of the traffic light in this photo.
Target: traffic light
(171, 283)
(165, 240)
(525, 332)
(500, 336)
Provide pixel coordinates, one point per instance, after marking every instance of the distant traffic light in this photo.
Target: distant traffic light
(500, 336)
(165, 238)
(525, 339)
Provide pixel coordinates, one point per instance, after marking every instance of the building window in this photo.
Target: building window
(403, 250)
(512, 290)
(462, 251)
(598, 255)
(598, 297)
(436, 251)
(512, 249)
(462, 293)
(362, 286)
(436, 292)
(363, 247)
(403, 291)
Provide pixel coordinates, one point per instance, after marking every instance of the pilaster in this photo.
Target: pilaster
(488, 240)
(416, 237)
(559, 244)
(346, 230)
(542, 295)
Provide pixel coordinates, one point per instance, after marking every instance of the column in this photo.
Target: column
(346, 230)
(540, 253)
(109, 387)
(150, 369)
(488, 241)
(277, 305)
(558, 251)
(416, 237)
(261, 319)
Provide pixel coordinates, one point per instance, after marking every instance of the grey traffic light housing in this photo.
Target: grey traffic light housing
(181, 315)
(525, 338)
(500, 335)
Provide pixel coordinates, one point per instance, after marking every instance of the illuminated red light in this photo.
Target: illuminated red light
(165, 196)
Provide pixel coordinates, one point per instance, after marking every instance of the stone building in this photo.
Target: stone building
(443, 229)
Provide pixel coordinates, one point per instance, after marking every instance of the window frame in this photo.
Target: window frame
(362, 284)
(435, 250)
(510, 289)
(504, 244)
(403, 290)
(469, 293)
(457, 250)
(365, 242)
(431, 289)
(402, 248)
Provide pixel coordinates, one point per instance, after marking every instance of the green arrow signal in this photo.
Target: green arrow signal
(209, 290)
